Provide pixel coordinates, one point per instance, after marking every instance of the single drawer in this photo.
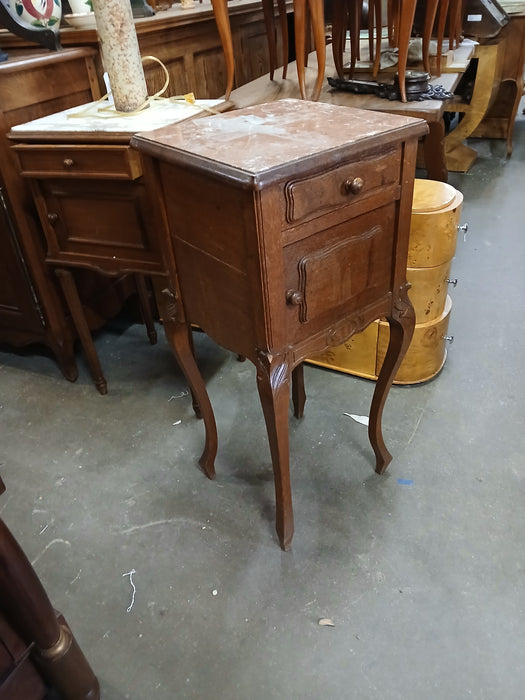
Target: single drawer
(309, 197)
(79, 161)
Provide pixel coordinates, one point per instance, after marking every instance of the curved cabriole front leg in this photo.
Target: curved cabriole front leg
(178, 333)
(402, 323)
(273, 384)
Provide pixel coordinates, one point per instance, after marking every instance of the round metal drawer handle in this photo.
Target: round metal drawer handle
(294, 297)
(68, 162)
(52, 218)
(354, 186)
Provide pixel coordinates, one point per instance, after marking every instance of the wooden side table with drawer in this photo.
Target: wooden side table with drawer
(288, 225)
(90, 193)
(93, 206)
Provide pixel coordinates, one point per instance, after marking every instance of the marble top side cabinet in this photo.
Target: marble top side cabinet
(288, 225)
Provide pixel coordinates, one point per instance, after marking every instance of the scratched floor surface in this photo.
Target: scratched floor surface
(175, 586)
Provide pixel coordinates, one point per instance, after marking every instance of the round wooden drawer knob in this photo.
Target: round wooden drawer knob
(52, 218)
(294, 297)
(354, 186)
(68, 162)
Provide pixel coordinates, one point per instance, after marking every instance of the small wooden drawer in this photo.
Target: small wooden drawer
(352, 182)
(79, 161)
(428, 292)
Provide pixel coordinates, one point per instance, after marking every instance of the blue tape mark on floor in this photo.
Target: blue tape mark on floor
(405, 482)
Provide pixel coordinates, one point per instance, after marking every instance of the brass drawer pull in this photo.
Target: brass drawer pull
(354, 186)
(69, 162)
(294, 297)
(52, 218)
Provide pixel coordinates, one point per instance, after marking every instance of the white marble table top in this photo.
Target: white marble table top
(101, 116)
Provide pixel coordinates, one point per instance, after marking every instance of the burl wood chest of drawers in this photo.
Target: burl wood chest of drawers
(288, 224)
(436, 209)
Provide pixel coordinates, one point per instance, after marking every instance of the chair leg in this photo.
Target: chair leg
(220, 11)
(299, 10)
(283, 20)
(267, 6)
(317, 19)
(430, 17)
(408, 10)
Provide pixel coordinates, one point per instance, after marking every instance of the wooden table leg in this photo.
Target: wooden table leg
(77, 313)
(434, 151)
(402, 323)
(145, 308)
(26, 605)
(178, 334)
(273, 384)
(459, 156)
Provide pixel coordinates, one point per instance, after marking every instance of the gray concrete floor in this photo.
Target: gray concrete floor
(425, 582)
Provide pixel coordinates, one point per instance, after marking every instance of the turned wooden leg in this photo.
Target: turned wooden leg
(298, 391)
(145, 308)
(402, 323)
(178, 334)
(318, 28)
(273, 384)
(25, 604)
(222, 19)
(77, 313)
(299, 11)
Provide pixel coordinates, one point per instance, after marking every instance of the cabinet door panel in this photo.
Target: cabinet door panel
(105, 224)
(341, 269)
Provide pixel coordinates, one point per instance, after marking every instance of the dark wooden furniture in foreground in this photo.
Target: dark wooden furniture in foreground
(288, 224)
(37, 648)
(95, 213)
